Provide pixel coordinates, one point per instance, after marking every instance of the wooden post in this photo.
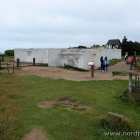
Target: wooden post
(138, 83)
(0, 63)
(92, 70)
(17, 62)
(135, 83)
(130, 82)
(2, 57)
(13, 67)
(33, 61)
(7, 68)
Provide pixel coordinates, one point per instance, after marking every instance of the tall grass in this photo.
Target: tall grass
(22, 95)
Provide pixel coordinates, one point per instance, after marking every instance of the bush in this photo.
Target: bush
(133, 97)
(82, 47)
(74, 68)
(122, 126)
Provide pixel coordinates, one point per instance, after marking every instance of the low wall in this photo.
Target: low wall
(74, 57)
(27, 55)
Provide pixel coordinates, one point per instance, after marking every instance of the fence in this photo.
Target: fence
(136, 86)
(8, 66)
(12, 65)
(137, 83)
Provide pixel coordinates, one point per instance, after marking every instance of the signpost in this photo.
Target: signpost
(92, 67)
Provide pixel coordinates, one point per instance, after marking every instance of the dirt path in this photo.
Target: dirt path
(56, 73)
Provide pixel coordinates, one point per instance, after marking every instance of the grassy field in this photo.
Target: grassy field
(114, 61)
(7, 58)
(123, 73)
(19, 110)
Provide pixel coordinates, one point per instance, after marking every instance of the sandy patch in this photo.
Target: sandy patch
(67, 103)
(35, 134)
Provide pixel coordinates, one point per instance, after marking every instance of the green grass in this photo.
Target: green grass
(138, 65)
(19, 110)
(114, 61)
(123, 73)
(8, 58)
(11, 92)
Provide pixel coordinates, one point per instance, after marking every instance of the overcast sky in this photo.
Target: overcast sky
(67, 23)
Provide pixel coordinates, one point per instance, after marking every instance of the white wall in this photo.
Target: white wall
(54, 58)
(27, 55)
(74, 57)
(109, 53)
(80, 58)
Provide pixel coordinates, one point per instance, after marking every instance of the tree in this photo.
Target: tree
(9, 52)
(2, 57)
(130, 47)
(124, 39)
(80, 46)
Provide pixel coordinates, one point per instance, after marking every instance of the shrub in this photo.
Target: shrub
(74, 68)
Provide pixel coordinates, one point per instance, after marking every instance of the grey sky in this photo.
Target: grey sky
(66, 23)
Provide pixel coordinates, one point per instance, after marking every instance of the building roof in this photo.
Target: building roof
(98, 47)
(114, 42)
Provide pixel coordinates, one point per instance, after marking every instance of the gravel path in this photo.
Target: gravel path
(57, 73)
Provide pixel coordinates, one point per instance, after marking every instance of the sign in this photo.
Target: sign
(91, 63)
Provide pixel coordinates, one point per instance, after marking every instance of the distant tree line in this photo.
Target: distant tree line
(130, 47)
(79, 47)
(8, 53)
(84, 47)
(98, 45)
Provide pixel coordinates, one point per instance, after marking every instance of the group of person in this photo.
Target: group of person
(132, 60)
(104, 64)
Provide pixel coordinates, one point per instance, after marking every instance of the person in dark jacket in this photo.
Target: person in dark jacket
(102, 63)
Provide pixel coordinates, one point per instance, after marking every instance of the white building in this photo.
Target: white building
(58, 57)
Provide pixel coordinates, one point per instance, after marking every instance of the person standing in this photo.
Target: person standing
(106, 63)
(126, 58)
(102, 63)
(132, 60)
